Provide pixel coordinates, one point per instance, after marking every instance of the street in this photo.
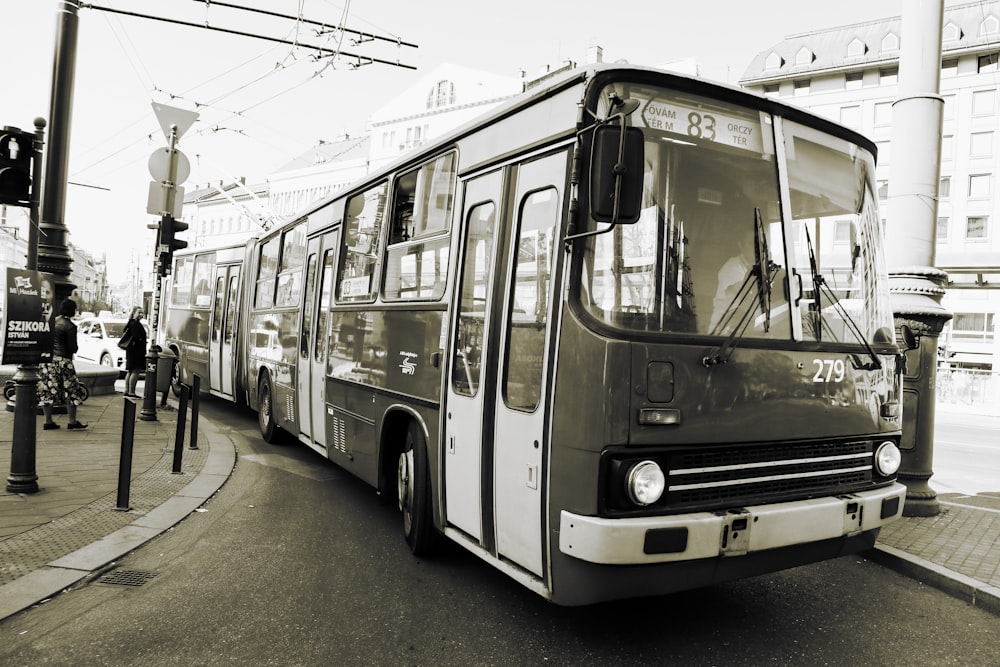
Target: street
(966, 454)
(294, 562)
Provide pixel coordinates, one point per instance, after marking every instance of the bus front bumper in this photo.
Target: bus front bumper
(682, 537)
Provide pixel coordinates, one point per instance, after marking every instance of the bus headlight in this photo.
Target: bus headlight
(887, 459)
(645, 483)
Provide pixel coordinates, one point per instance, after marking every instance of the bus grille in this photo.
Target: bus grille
(728, 477)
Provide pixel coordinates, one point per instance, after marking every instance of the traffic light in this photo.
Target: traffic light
(16, 149)
(167, 241)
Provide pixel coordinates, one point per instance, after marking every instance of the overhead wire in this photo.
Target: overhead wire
(331, 53)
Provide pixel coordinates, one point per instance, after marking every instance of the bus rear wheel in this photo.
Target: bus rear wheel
(265, 412)
(413, 492)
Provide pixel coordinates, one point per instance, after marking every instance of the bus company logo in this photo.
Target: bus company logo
(408, 367)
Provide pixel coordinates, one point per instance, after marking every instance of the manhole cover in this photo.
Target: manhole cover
(127, 577)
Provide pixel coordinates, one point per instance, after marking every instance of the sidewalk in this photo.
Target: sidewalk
(52, 539)
(958, 550)
(56, 537)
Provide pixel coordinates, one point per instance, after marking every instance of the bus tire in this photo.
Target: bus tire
(265, 411)
(414, 494)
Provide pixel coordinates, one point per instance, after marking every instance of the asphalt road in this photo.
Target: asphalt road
(966, 454)
(294, 562)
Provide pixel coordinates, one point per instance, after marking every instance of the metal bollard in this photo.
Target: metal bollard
(149, 388)
(179, 435)
(195, 392)
(125, 460)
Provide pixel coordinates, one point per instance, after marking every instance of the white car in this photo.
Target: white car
(97, 340)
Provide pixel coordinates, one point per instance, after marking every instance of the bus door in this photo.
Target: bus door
(495, 426)
(520, 431)
(224, 315)
(468, 396)
(313, 334)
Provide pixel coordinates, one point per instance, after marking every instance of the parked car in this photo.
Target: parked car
(97, 339)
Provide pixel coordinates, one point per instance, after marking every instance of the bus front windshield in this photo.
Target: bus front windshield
(712, 253)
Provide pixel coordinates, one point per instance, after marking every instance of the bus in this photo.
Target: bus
(627, 334)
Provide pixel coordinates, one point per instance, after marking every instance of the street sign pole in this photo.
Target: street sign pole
(148, 412)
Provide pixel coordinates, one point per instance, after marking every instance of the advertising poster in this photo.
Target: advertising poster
(28, 317)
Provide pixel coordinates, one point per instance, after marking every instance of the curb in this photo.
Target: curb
(955, 584)
(57, 575)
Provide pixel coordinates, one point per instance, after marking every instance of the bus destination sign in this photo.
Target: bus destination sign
(703, 124)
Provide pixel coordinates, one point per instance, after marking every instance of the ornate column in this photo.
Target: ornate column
(916, 286)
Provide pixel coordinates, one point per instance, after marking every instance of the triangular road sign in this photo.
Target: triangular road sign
(167, 116)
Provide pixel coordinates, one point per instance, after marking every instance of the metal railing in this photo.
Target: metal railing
(969, 388)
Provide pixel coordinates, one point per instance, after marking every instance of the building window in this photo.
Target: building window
(983, 102)
(883, 114)
(944, 187)
(883, 189)
(947, 147)
(949, 107)
(800, 87)
(851, 117)
(771, 89)
(888, 76)
(442, 94)
(854, 80)
(973, 327)
(990, 26)
(773, 61)
(842, 232)
(804, 57)
(979, 186)
(976, 227)
(987, 63)
(890, 42)
(856, 48)
(981, 144)
(884, 151)
(951, 33)
(949, 68)
(942, 228)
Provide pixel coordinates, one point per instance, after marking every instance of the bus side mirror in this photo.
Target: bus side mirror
(616, 174)
(909, 339)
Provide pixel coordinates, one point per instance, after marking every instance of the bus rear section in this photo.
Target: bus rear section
(727, 384)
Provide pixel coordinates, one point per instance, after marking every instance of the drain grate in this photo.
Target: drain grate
(127, 577)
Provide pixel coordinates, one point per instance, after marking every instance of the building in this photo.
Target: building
(450, 95)
(849, 74)
(320, 171)
(447, 97)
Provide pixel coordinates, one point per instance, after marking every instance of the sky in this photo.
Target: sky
(261, 103)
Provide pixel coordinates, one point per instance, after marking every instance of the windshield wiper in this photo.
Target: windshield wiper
(761, 274)
(819, 287)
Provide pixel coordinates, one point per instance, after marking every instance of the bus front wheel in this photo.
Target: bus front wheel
(265, 412)
(413, 488)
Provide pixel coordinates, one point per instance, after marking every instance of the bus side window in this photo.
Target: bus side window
(422, 206)
(361, 245)
(180, 291)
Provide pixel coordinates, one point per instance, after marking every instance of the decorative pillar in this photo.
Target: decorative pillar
(916, 299)
(916, 286)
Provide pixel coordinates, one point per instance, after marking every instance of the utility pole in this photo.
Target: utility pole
(916, 286)
(53, 251)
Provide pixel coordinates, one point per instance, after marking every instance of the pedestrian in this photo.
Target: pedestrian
(134, 338)
(57, 381)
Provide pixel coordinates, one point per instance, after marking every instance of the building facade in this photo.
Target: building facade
(849, 74)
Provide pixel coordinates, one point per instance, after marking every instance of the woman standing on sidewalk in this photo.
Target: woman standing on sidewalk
(57, 380)
(135, 351)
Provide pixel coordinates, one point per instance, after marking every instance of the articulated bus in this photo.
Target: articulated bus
(627, 334)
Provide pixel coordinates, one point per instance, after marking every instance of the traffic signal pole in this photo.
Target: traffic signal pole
(163, 243)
